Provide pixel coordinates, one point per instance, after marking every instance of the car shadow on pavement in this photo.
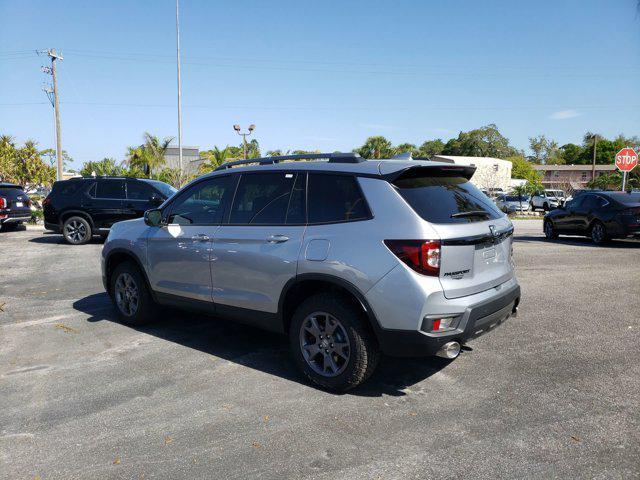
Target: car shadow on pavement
(578, 241)
(57, 239)
(258, 349)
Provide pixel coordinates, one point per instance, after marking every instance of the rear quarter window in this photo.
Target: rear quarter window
(438, 198)
(335, 198)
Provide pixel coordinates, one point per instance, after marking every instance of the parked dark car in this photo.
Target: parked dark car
(15, 206)
(599, 215)
(82, 207)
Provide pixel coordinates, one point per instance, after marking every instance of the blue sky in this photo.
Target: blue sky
(320, 75)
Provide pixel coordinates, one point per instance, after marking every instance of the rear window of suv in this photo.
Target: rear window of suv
(446, 199)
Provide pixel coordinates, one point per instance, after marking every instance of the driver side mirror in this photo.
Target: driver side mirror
(153, 218)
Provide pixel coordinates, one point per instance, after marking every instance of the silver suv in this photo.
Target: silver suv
(349, 258)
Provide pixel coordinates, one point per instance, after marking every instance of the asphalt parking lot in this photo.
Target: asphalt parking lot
(553, 393)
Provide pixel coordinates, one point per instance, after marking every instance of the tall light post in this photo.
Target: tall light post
(179, 92)
(238, 130)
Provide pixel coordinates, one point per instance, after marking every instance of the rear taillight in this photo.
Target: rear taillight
(423, 256)
(46, 201)
(3, 203)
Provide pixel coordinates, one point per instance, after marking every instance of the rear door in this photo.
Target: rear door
(104, 201)
(256, 252)
(475, 236)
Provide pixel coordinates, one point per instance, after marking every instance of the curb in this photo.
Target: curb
(39, 228)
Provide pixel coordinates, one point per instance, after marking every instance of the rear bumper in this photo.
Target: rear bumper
(476, 320)
(15, 217)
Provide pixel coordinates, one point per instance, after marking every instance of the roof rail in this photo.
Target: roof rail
(337, 157)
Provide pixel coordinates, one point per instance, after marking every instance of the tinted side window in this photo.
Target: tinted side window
(589, 202)
(262, 198)
(139, 191)
(335, 198)
(204, 203)
(110, 189)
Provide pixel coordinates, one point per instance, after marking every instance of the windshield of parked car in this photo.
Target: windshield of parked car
(166, 189)
(555, 193)
(445, 199)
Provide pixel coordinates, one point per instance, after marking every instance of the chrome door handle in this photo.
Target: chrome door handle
(201, 237)
(277, 238)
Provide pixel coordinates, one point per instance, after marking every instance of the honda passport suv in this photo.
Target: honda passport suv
(349, 258)
(82, 207)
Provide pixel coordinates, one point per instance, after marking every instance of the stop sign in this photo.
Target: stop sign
(626, 159)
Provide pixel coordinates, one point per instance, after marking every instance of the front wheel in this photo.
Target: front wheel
(545, 207)
(598, 233)
(550, 231)
(331, 342)
(131, 295)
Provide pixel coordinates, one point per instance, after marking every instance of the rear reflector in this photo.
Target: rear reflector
(3, 203)
(423, 256)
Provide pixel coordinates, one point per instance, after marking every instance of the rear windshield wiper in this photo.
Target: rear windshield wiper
(471, 213)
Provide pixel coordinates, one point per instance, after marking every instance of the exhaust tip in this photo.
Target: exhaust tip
(449, 350)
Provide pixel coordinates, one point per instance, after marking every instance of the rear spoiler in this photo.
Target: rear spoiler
(465, 171)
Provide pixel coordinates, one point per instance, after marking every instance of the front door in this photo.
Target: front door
(179, 250)
(104, 202)
(256, 253)
(140, 198)
(567, 219)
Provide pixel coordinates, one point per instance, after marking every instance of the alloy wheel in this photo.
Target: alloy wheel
(76, 231)
(126, 294)
(325, 344)
(598, 233)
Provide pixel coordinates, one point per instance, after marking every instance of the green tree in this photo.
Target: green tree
(570, 153)
(150, 156)
(523, 169)
(545, 151)
(215, 158)
(431, 148)
(375, 147)
(405, 148)
(104, 167)
(485, 141)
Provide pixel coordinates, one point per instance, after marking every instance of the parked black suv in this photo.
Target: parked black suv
(82, 207)
(15, 206)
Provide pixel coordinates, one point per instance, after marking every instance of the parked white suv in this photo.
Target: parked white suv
(349, 258)
(547, 199)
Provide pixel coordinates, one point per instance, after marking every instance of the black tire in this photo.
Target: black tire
(598, 233)
(364, 352)
(549, 230)
(545, 206)
(145, 310)
(533, 208)
(77, 230)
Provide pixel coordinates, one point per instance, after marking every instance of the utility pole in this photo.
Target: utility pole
(179, 93)
(56, 107)
(593, 166)
(237, 128)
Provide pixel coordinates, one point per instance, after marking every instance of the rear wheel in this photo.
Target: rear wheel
(598, 233)
(533, 207)
(331, 342)
(545, 207)
(130, 294)
(550, 231)
(9, 227)
(76, 230)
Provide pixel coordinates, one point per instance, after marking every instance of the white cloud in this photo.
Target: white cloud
(564, 114)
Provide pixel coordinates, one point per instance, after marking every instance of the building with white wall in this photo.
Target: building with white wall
(490, 172)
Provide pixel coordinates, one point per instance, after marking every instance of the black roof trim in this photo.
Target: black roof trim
(337, 157)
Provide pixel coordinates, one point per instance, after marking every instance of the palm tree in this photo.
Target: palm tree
(376, 147)
(149, 156)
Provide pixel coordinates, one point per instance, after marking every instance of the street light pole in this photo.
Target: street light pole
(251, 128)
(179, 93)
